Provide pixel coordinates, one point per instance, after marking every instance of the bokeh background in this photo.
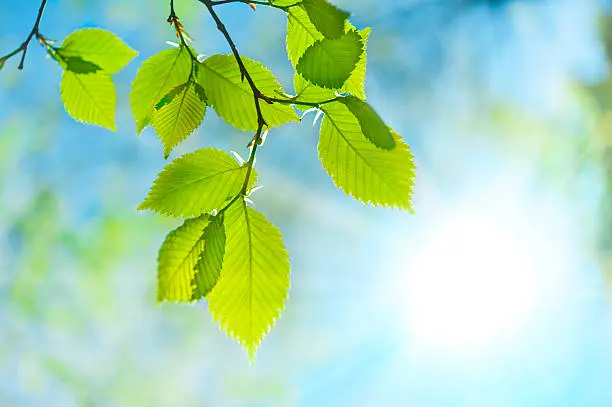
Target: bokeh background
(494, 294)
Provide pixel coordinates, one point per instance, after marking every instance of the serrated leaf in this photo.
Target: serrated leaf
(196, 183)
(156, 77)
(254, 282)
(80, 66)
(330, 62)
(208, 268)
(328, 19)
(372, 126)
(358, 167)
(99, 47)
(177, 258)
(232, 98)
(178, 118)
(301, 33)
(355, 84)
(89, 98)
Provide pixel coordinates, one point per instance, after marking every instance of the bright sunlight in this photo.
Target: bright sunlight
(475, 283)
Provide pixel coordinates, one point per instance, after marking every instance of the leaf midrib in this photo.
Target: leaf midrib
(382, 180)
(95, 104)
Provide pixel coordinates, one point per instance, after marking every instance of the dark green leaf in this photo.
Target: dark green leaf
(330, 62)
(328, 19)
(371, 124)
(169, 97)
(80, 66)
(177, 259)
(208, 268)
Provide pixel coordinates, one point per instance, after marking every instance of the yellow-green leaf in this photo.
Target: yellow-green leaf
(178, 116)
(197, 183)
(156, 77)
(254, 282)
(177, 259)
(89, 98)
(232, 98)
(358, 167)
(99, 47)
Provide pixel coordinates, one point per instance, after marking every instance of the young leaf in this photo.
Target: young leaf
(372, 126)
(328, 19)
(254, 282)
(156, 77)
(301, 33)
(181, 111)
(208, 268)
(99, 47)
(178, 256)
(330, 62)
(355, 84)
(232, 98)
(196, 183)
(358, 167)
(89, 98)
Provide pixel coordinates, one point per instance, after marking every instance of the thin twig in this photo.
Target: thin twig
(257, 95)
(23, 48)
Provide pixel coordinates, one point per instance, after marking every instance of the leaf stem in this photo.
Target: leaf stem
(262, 3)
(258, 96)
(295, 101)
(23, 48)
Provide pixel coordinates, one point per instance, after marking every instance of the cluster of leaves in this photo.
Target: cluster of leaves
(226, 252)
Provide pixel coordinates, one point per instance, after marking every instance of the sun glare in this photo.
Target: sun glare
(473, 283)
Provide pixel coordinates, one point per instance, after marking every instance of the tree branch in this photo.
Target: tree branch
(257, 95)
(23, 48)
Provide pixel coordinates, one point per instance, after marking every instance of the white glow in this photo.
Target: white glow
(475, 281)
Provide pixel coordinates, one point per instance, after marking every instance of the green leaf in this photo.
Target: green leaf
(179, 117)
(355, 84)
(330, 62)
(177, 258)
(358, 167)
(254, 283)
(328, 19)
(156, 77)
(2, 62)
(196, 183)
(232, 98)
(372, 126)
(301, 33)
(307, 92)
(80, 66)
(208, 268)
(89, 98)
(99, 47)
